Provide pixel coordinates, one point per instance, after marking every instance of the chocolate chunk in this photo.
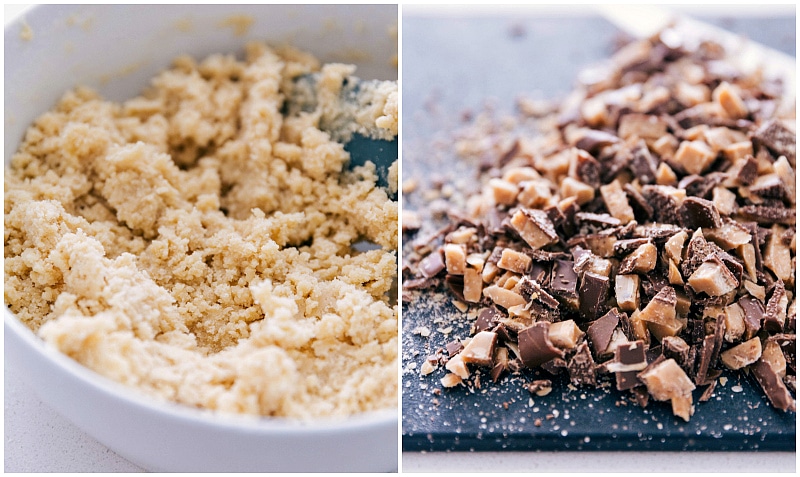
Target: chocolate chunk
(587, 169)
(539, 272)
(768, 215)
(776, 137)
(708, 391)
(453, 348)
(564, 282)
(535, 347)
(488, 319)
(629, 360)
(532, 291)
(753, 315)
(581, 367)
(774, 316)
(601, 329)
(431, 265)
(697, 213)
(697, 251)
(642, 164)
(665, 207)
(592, 140)
(624, 247)
(746, 171)
(555, 366)
(773, 386)
(769, 186)
(641, 207)
(593, 294)
(674, 347)
(597, 221)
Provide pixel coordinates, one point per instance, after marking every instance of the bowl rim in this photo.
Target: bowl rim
(132, 397)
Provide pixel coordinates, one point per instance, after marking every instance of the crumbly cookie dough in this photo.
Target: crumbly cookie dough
(196, 244)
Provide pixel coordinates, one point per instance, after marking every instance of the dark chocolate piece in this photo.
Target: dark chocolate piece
(581, 367)
(596, 221)
(665, 207)
(642, 209)
(564, 282)
(601, 329)
(532, 291)
(555, 366)
(535, 347)
(773, 321)
(699, 213)
(747, 171)
(642, 164)
(708, 391)
(624, 247)
(593, 294)
(674, 347)
(629, 358)
(587, 170)
(540, 272)
(768, 215)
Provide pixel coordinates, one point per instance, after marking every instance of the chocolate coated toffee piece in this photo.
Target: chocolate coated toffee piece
(647, 238)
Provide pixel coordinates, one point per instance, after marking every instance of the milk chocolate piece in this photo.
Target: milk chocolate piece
(592, 140)
(581, 367)
(776, 137)
(753, 315)
(535, 347)
(601, 329)
(488, 319)
(431, 265)
(454, 347)
(699, 213)
(773, 386)
(593, 294)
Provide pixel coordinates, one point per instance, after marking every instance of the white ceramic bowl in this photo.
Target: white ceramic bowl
(116, 49)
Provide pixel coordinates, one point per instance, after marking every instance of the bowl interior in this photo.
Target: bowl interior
(116, 49)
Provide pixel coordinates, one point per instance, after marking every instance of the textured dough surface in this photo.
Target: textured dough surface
(196, 244)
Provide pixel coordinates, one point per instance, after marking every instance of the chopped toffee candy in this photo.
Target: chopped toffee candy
(666, 381)
(480, 349)
(742, 354)
(713, 278)
(643, 232)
